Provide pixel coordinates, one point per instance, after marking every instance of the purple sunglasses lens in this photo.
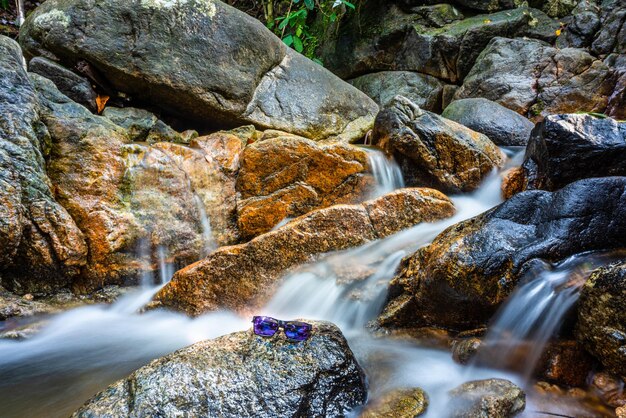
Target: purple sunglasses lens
(297, 331)
(265, 326)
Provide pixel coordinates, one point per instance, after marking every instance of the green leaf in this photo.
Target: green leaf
(299, 31)
(310, 4)
(283, 23)
(333, 17)
(297, 44)
(347, 3)
(288, 40)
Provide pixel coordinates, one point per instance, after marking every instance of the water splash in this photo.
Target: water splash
(385, 170)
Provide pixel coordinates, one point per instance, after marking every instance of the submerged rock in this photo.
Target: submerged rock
(433, 151)
(242, 375)
(492, 398)
(566, 148)
(535, 79)
(201, 60)
(287, 176)
(42, 247)
(399, 403)
(424, 90)
(602, 319)
(460, 279)
(242, 276)
(501, 125)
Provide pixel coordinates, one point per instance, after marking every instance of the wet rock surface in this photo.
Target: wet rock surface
(300, 176)
(400, 403)
(242, 375)
(433, 151)
(501, 125)
(253, 77)
(535, 79)
(42, 247)
(566, 148)
(238, 277)
(470, 268)
(601, 317)
(493, 398)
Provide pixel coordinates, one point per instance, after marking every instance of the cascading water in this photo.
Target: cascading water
(385, 170)
(83, 350)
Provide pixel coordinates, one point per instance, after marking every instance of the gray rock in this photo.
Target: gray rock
(383, 37)
(42, 248)
(581, 26)
(612, 34)
(142, 125)
(433, 151)
(602, 318)
(241, 375)
(201, 60)
(72, 85)
(616, 107)
(566, 148)
(423, 90)
(535, 79)
(503, 126)
(490, 398)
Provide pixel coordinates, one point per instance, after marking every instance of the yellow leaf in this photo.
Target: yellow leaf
(558, 32)
(101, 102)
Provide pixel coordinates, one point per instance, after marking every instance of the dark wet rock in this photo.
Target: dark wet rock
(69, 83)
(423, 90)
(301, 175)
(383, 37)
(399, 403)
(566, 148)
(201, 60)
(241, 276)
(493, 398)
(502, 126)
(602, 319)
(463, 350)
(612, 34)
(141, 125)
(566, 363)
(610, 388)
(535, 79)
(42, 248)
(555, 8)
(581, 26)
(470, 268)
(433, 151)
(617, 101)
(242, 375)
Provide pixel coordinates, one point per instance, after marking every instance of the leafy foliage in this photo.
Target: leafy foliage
(4, 4)
(293, 24)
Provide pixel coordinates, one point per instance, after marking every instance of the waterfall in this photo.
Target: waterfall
(385, 170)
(534, 312)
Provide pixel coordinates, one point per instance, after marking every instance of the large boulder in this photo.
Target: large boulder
(433, 151)
(242, 375)
(128, 198)
(42, 247)
(239, 277)
(435, 40)
(492, 398)
(424, 90)
(201, 60)
(502, 126)
(566, 148)
(284, 176)
(535, 79)
(611, 37)
(602, 319)
(460, 279)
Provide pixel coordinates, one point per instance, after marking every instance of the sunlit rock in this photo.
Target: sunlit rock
(242, 375)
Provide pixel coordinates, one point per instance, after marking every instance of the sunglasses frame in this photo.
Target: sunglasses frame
(283, 325)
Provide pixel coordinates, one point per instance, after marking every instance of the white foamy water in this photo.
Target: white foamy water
(385, 170)
(83, 350)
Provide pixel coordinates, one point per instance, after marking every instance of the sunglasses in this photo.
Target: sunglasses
(266, 326)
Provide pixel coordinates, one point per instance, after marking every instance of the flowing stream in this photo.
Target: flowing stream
(83, 350)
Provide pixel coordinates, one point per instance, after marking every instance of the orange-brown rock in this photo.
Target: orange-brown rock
(433, 151)
(513, 182)
(242, 276)
(399, 403)
(283, 176)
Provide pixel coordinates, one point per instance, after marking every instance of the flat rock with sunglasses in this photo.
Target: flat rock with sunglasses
(307, 370)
